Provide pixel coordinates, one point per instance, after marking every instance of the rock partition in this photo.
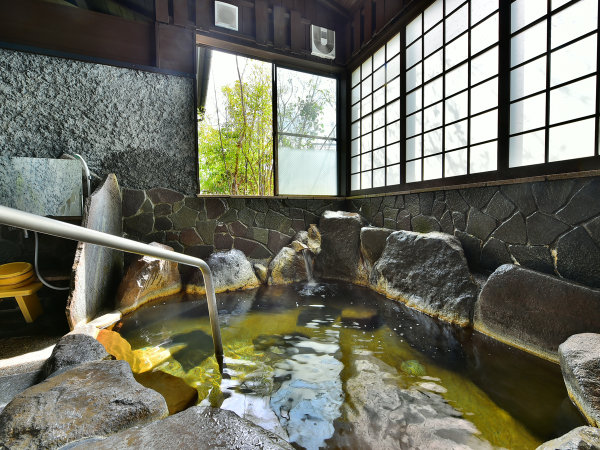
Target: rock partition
(535, 311)
(550, 226)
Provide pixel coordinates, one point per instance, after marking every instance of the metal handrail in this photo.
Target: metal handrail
(33, 222)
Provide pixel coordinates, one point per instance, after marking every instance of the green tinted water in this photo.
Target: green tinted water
(339, 366)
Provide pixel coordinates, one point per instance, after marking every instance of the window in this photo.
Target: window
(306, 133)
(375, 116)
(487, 87)
(553, 79)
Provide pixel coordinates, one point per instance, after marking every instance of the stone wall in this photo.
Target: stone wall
(549, 226)
(197, 226)
(138, 125)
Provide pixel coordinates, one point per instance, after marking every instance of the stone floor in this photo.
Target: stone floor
(25, 346)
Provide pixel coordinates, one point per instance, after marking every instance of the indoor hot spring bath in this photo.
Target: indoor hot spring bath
(339, 366)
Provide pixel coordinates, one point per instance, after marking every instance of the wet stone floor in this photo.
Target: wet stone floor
(338, 366)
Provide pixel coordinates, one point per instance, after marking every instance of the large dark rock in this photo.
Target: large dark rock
(513, 231)
(384, 416)
(580, 364)
(581, 438)
(147, 278)
(93, 399)
(499, 207)
(455, 202)
(494, 254)
(471, 247)
(72, 350)
(550, 196)
(478, 197)
(231, 271)
(583, 205)
(428, 272)
(535, 257)
(162, 195)
(424, 224)
(534, 311)
(578, 257)
(198, 428)
(132, 201)
(543, 229)
(520, 195)
(479, 224)
(372, 242)
(340, 245)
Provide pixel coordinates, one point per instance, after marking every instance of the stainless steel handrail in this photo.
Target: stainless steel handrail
(27, 221)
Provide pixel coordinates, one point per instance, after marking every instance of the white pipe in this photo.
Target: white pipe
(27, 221)
(88, 176)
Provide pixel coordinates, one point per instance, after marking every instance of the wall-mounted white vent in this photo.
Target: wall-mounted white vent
(226, 16)
(323, 42)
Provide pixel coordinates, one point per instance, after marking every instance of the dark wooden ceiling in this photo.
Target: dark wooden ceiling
(348, 5)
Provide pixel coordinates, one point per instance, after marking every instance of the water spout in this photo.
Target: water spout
(308, 265)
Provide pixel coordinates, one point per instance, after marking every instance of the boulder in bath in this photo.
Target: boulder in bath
(372, 243)
(148, 278)
(287, 267)
(580, 366)
(581, 438)
(231, 271)
(72, 350)
(428, 272)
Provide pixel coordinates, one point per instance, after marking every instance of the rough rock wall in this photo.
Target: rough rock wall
(197, 226)
(549, 226)
(135, 124)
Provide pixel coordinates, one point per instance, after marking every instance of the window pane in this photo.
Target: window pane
(413, 124)
(481, 9)
(457, 51)
(355, 112)
(355, 94)
(365, 161)
(414, 29)
(456, 135)
(356, 76)
(573, 61)
(379, 119)
(393, 46)
(367, 68)
(484, 34)
(413, 171)
(366, 105)
(457, 23)
(379, 78)
(414, 77)
(393, 68)
(432, 167)
(433, 92)
(413, 53)
(457, 107)
(528, 44)
(484, 96)
(308, 167)
(484, 66)
(456, 163)
(434, 65)
(484, 157)
(393, 154)
(574, 21)
(379, 98)
(457, 79)
(355, 148)
(379, 178)
(393, 132)
(365, 182)
(484, 127)
(524, 12)
(366, 143)
(573, 100)
(379, 158)
(528, 114)
(379, 58)
(574, 140)
(413, 101)
(451, 5)
(393, 89)
(355, 182)
(413, 148)
(528, 79)
(432, 142)
(355, 164)
(393, 111)
(379, 138)
(432, 117)
(367, 87)
(393, 175)
(559, 3)
(527, 149)
(355, 130)
(434, 39)
(433, 14)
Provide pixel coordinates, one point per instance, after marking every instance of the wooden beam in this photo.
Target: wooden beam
(162, 11)
(368, 21)
(280, 27)
(298, 32)
(261, 14)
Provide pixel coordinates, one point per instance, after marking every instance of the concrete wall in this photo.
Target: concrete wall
(552, 226)
(138, 125)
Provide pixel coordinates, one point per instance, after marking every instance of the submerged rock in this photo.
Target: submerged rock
(72, 350)
(148, 278)
(197, 428)
(580, 366)
(94, 399)
(428, 272)
(287, 267)
(384, 416)
(581, 438)
(534, 311)
(176, 392)
(231, 271)
(340, 257)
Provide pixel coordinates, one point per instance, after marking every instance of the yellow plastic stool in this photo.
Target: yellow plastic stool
(26, 297)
